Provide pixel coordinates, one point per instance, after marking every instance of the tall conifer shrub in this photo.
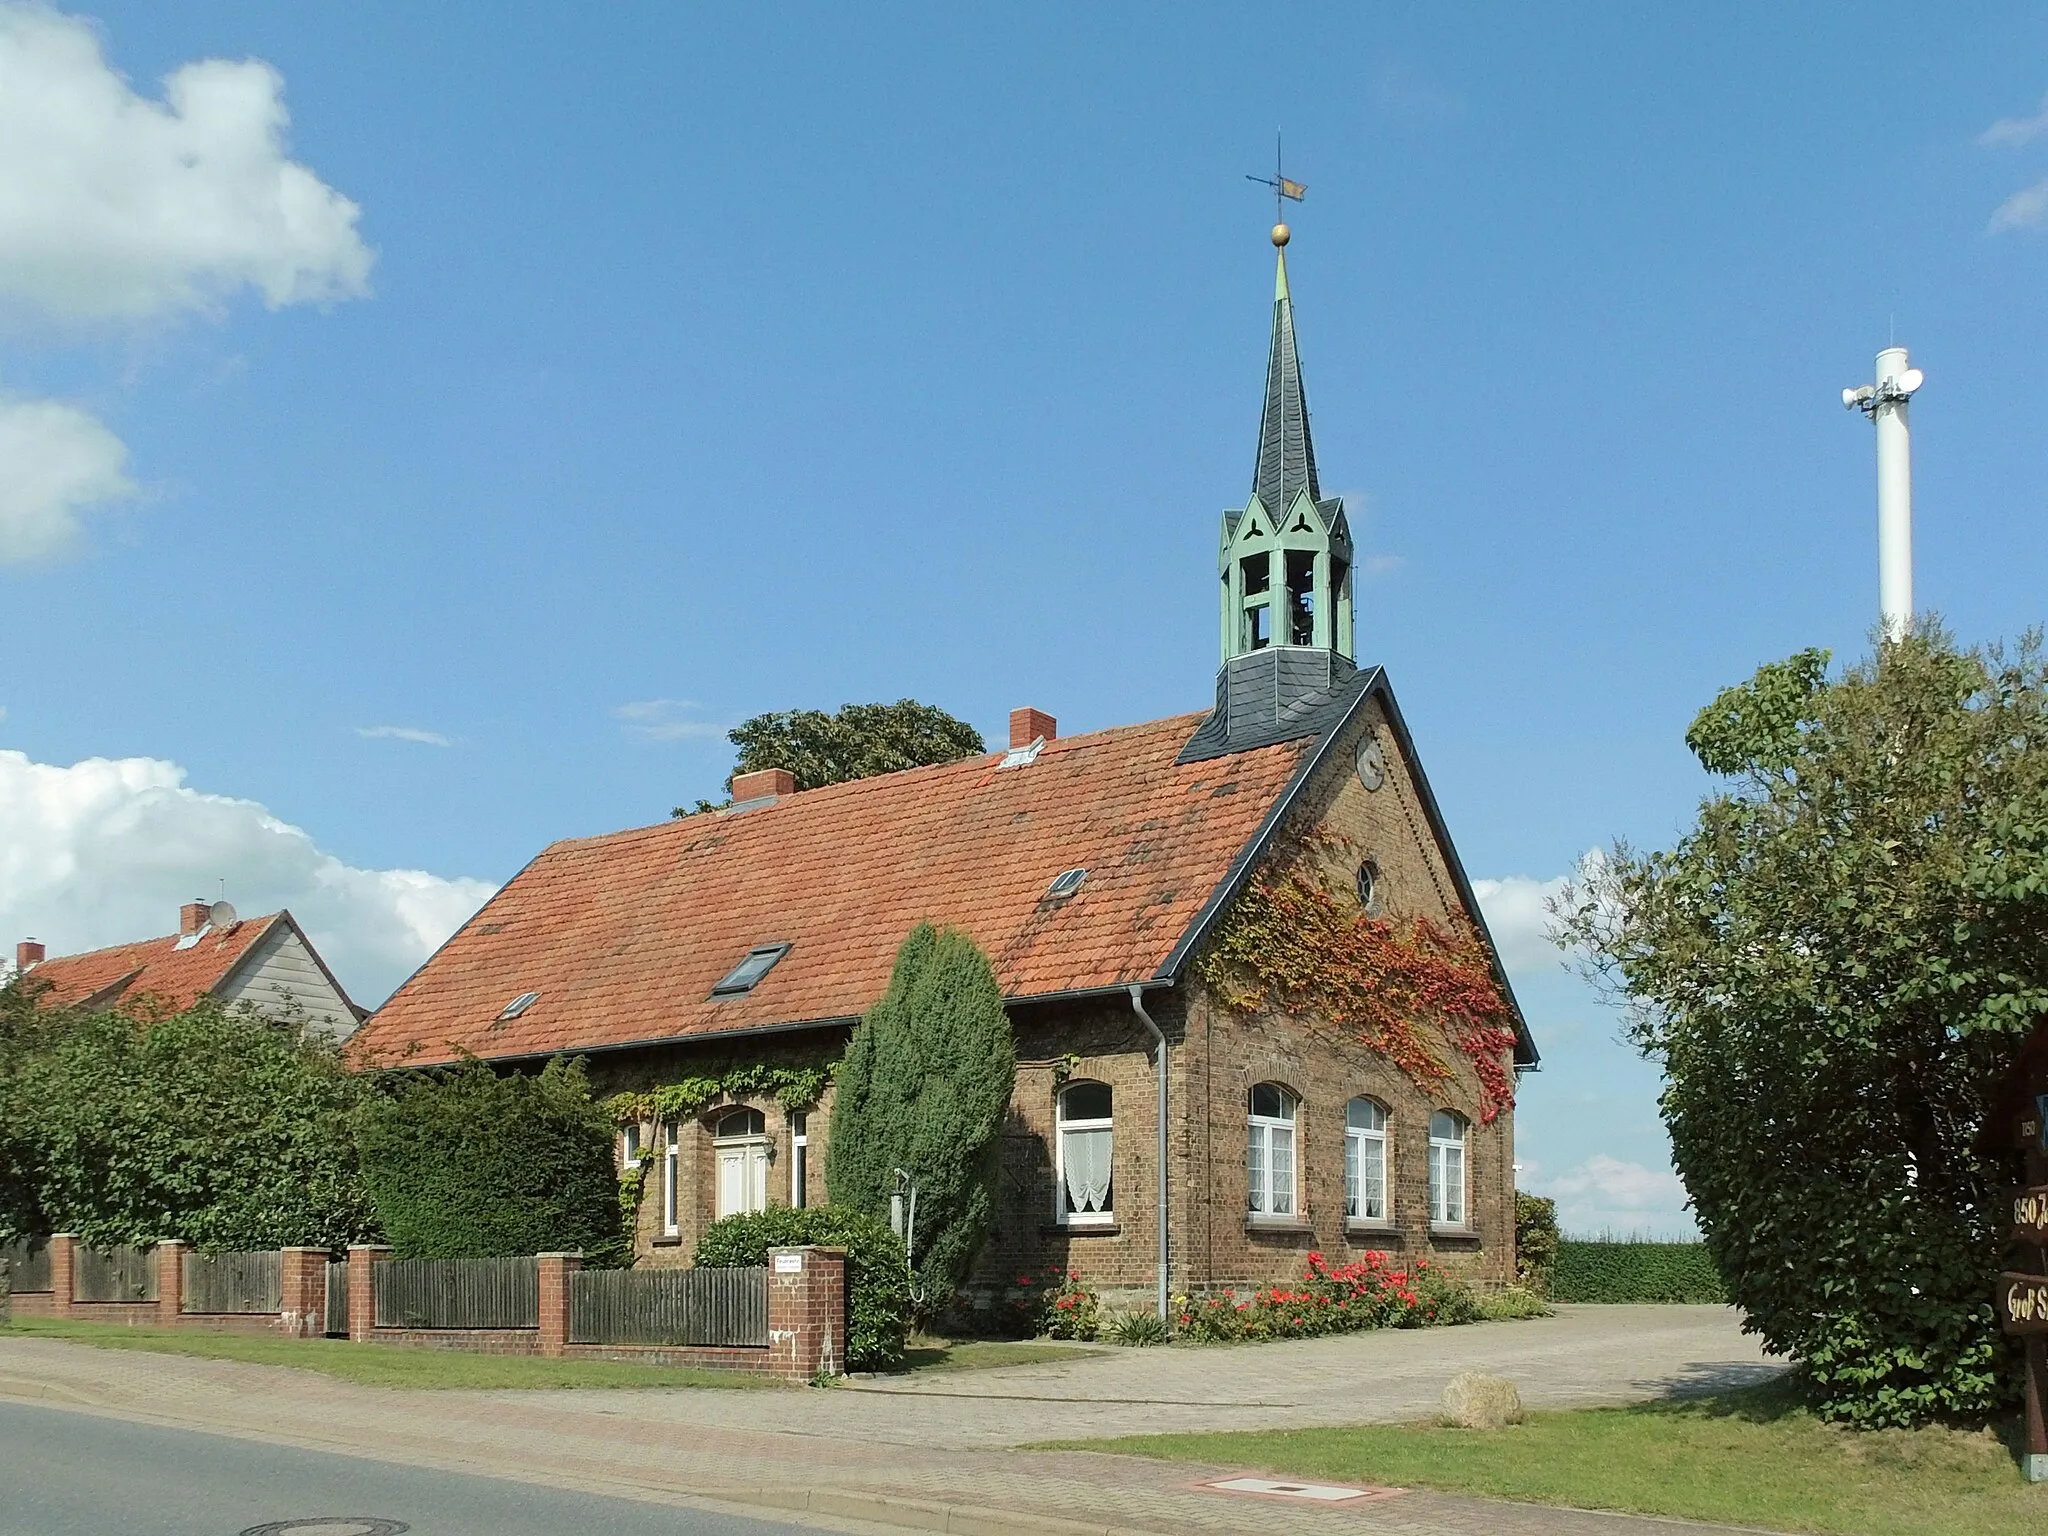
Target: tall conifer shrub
(923, 1088)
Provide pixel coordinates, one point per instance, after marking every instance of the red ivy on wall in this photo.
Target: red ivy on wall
(1405, 989)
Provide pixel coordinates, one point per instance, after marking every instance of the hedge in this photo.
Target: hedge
(877, 1276)
(1634, 1270)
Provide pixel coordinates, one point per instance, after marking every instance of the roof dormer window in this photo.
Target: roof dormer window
(744, 976)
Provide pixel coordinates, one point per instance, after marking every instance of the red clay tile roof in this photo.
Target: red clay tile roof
(624, 936)
(154, 967)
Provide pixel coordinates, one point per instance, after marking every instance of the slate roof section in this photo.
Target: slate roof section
(176, 978)
(624, 936)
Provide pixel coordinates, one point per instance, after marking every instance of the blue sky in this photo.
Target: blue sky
(665, 365)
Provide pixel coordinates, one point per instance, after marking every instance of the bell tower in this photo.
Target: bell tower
(1284, 563)
(1283, 571)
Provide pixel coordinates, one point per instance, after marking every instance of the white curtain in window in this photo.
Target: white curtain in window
(1085, 1157)
(1282, 1203)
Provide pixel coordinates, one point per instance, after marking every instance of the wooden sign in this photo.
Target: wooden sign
(2030, 1215)
(2023, 1303)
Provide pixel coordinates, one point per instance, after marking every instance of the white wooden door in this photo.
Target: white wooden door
(742, 1178)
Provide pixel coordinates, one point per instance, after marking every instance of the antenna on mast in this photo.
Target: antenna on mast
(1884, 402)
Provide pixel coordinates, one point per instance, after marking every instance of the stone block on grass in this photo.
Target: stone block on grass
(1474, 1400)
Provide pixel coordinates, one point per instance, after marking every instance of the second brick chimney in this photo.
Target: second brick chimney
(1029, 725)
(193, 918)
(762, 784)
(27, 953)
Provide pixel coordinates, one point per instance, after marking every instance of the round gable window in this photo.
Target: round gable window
(1369, 886)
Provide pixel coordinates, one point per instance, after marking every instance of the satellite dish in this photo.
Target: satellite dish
(221, 914)
(1910, 380)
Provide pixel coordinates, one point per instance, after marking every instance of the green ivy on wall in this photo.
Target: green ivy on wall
(793, 1088)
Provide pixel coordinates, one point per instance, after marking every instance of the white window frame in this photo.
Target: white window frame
(799, 1158)
(671, 1171)
(1062, 1212)
(1448, 1172)
(1266, 1134)
(629, 1147)
(1361, 1143)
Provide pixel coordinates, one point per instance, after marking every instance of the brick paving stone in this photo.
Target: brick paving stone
(940, 1439)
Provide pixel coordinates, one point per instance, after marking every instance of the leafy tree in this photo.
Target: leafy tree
(215, 1125)
(465, 1164)
(858, 742)
(1835, 967)
(926, 1079)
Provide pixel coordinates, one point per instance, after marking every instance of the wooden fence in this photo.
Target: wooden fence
(337, 1297)
(113, 1274)
(28, 1269)
(669, 1306)
(457, 1293)
(233, 1282)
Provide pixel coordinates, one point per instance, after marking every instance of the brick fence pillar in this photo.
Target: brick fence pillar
(63, 1272)
(302, 1292)
(170, 1281)
(362, 1291)
(807, 1312)
(555, 1272)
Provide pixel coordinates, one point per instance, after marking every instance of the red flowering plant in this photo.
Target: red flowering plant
(1054, 1304)
(1372, 1291)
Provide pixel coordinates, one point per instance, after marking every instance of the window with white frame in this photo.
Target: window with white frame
(1269, 1154)
(1087, 1190)
(1446, 1169)
(671, 1178)
(629, 1148)
(799, 1159)
(1365, 1161)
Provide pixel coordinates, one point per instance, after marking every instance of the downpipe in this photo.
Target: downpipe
(1159, 1041)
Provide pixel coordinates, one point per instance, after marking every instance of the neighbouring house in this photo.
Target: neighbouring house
(1101, 873)
(266, 963)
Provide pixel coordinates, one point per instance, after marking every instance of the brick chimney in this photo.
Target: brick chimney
(762, 784)
(1028, 725)
(27, 953)
(193, 918)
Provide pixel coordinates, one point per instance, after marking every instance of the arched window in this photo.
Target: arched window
(740, 1141)
(1365, 1161)
(1087, 1193)
(1269, 1155)
(1447, 1169)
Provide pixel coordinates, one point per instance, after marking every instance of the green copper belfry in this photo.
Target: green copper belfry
(1285, 559)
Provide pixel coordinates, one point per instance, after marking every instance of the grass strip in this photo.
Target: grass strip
(1753, 1457)
(383, 1365)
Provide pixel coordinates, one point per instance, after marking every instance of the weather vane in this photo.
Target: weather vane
(1294, 191)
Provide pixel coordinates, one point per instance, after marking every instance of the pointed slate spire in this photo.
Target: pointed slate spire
(1287, 459)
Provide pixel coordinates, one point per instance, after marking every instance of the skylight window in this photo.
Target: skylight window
(519, 1005)
(1066, 882)
(743, 977)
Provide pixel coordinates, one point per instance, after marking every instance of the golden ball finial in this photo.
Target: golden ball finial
(1281, 234)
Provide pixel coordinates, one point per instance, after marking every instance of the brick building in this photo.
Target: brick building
(1097, 872)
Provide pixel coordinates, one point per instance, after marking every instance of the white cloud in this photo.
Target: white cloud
(664, 720)
(403, 733)
(2025, 209)
(118, 206)
(2014, 131)
(102, 852)
(56, 462)
(1381, 565)
(1518, 918)
(1606, 1194)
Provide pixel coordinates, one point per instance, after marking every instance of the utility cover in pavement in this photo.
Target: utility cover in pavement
(1323, 1493)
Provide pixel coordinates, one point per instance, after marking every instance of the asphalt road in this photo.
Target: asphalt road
(76, 1474)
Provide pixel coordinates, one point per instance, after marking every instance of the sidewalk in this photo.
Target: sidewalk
(924, 1454)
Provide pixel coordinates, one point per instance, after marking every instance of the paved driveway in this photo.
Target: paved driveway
(851, 1451)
